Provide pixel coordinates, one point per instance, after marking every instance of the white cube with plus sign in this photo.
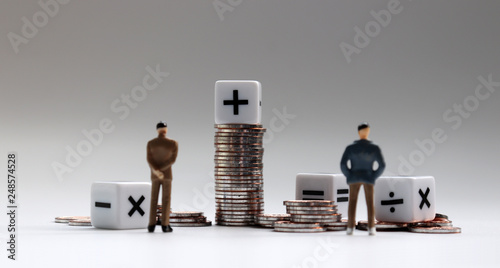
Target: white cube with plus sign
(238, 102)
(120, 205)
(323, 186)
(405, 198)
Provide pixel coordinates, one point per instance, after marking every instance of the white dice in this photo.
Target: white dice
(405, 198)
(238, 102)
(323, 186)
(120, 205)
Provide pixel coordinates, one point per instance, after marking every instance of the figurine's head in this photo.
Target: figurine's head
(161, 127)
(364, 130)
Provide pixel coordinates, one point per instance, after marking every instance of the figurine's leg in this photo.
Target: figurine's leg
(353, 200)
(165, 213)
(155, 188)
(370, 207)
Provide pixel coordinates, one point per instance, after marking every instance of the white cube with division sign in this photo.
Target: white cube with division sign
(405, 198)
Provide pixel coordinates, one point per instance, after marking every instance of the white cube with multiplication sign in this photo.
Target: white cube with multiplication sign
(238, 102)
(120, 205)
(323, 186)
(405, 198)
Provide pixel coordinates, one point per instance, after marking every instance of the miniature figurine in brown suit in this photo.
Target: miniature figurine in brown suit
(162, 153)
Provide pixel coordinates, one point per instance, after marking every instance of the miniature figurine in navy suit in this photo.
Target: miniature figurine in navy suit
(361, 155)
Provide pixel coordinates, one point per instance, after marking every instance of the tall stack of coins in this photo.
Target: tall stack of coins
(239, 190)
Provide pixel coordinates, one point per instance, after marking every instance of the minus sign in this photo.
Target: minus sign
(12, 206)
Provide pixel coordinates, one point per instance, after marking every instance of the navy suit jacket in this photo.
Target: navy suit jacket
(362, 154)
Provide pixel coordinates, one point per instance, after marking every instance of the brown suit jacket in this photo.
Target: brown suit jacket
(162, 153)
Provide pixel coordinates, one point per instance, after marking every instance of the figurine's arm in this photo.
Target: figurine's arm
(151, 163)
(172, 158)
(343, 163)
(381, 163)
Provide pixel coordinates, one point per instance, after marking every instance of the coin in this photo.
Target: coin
(239, 140)
(238, 197)
(238, 201)
(224, 170)
(239, 165)
(240, 154)
(264, 225)
(299, 230)
(238, 145)
(187, 219)
(250, 182)
(275, 217)
(67, 219)
(238, 135)
(82, 222)
(324, 217)
(240, 206)
(269, 222)
(225, 149)
(312, 203)
(342, 222)
(227, 192)
(233, 223)
(383, 226)
(311, 212)
(237, 161)
(322, 221)
(239, 212)
(337, 226)
(289, 224)
(193, 224)
(237, 158)
(437, 222)
(238, 126)
(259, 152)
(222, 209)
(248, 218)
(439, 215)
(237, 189)
(436, 230)
(243, 130)
(239, 185)
(186, 214)
(242, 174)
(239, 178)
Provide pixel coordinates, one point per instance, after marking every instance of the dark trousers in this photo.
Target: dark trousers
(166, 184)
(353, 200)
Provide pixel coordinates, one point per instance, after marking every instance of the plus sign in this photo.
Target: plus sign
(235, 102)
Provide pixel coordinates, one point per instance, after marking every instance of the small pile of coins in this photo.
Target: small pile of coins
(267, 220)
(188, 219)
(239, 192)
(74, 220)
(311, 216)
(184, 218)
(439, 225)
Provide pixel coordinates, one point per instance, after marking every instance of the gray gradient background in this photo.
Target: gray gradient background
(427, 59)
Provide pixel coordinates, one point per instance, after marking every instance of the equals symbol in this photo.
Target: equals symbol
(391, 202)
(344, 198)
